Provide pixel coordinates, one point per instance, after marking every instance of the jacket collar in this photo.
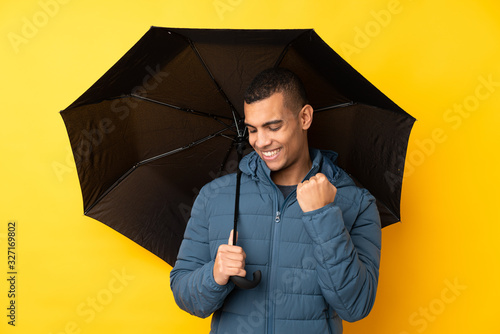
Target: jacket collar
(322, 161)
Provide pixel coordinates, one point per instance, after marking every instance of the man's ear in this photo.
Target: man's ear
(306, 116)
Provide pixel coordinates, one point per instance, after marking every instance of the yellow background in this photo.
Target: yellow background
(428, 56)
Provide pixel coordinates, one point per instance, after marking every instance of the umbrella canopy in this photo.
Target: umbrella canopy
(162, 122)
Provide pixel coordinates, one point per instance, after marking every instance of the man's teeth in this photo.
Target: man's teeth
(271, 153)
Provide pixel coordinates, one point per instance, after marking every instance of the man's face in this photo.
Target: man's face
(276, 133)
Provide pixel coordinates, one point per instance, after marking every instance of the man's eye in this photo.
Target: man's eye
(252, 131)
(275, 129)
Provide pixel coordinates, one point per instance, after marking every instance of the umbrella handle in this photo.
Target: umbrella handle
(244, 283)
(239, 281)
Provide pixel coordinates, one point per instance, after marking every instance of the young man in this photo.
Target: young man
(313, 234)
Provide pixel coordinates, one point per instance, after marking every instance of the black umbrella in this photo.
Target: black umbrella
(162, 122)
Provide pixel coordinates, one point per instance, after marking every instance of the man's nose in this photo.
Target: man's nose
(262, 140)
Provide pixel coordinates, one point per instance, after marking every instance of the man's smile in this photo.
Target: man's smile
(271, 154)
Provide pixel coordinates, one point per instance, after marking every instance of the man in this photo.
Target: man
(314, 235)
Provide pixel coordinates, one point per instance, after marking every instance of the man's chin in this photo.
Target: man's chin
(273, 166)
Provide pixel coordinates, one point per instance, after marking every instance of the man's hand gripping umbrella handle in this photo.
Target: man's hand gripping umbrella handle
(239, 281)
(242, 282)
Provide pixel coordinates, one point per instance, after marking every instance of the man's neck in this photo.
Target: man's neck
(293, 175)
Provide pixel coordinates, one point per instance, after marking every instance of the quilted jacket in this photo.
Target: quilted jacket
(317, 267)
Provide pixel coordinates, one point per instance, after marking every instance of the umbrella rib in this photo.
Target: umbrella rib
(282, 54)
(340, 105)
(379, 202)
(219, 88)
(197, 142)
(389, 210)
(192, 111)
(285, 49)
(145, 161)
(280, 59)
(227, 137)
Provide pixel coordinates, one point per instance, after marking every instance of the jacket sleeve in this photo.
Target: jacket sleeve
(191, 280)
(347, 261)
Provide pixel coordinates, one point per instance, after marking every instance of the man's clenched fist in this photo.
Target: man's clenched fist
(229, 261)
(315, 193)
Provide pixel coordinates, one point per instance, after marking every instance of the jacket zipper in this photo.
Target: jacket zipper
(274, 251)
(279, 213)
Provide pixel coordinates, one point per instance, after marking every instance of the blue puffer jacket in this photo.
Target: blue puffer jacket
(317, 268)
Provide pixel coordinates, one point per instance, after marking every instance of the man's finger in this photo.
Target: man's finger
(230, 241)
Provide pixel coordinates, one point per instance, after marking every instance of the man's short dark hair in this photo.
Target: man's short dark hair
(277, 80)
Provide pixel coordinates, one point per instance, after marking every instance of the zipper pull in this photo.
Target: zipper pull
(277, 219)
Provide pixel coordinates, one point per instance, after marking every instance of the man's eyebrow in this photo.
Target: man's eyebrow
(275, 121)
(248, 125)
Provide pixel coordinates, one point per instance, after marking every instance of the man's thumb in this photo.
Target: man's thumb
(230, 241)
